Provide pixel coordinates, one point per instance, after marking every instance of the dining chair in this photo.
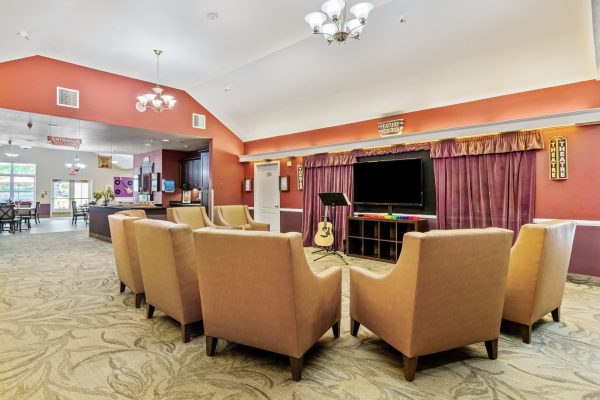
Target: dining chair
(8, 218)
(78, 212)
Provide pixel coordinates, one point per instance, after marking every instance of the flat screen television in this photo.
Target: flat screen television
(394, 182)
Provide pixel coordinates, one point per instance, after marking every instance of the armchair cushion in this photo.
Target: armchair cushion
(238, 217)
(194, 216)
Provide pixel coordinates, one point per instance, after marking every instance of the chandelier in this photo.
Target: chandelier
(11, 153)
(333, 24)
(156, 100)
(75, 166)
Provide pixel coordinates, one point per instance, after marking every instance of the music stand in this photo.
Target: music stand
(333, 199)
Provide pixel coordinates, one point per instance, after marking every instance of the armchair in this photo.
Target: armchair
(238, 217)
(168, 265)
(125, 249)
(446, 291)
(258, 290)
(537, 272)
(194, 216)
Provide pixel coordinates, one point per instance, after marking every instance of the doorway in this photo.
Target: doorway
(65, 191)
(266, 194)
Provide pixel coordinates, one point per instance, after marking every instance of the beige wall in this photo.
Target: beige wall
(50, 164)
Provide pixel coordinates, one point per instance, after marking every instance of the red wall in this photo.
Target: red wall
(29, 85)
(576, 96)
(291, 199)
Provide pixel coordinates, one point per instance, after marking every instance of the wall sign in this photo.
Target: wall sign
(123, 186)
(389, 128)
(64, 141)
(300, 176)
(558, 160)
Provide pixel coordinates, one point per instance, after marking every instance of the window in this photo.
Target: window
(17, 182)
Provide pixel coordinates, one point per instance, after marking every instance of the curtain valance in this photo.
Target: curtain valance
(349, 157)
(492, 144)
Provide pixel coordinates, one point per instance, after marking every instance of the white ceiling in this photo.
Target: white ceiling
(284, 80)
(96, 137)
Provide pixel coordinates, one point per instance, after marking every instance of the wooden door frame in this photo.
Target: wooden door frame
(257, 187)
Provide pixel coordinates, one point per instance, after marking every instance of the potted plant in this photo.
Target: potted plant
(97, 196)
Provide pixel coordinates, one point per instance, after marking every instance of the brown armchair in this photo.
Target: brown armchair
(125, 249)
(537, 272)
(238, 217)
(194, 216)
(446, 291)
(168, 265)
(258, 290)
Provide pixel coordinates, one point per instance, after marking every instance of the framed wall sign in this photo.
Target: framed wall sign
(389, 128)
(284, 183)
(300, 175)
(104, 162)
(186, 197)
(558, 162)
(247, 184)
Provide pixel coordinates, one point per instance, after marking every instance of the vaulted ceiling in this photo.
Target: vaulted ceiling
(284, 80)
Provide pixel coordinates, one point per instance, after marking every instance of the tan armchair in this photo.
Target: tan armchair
(194, 216)
(125, 249)
(168, 265)
(258, 290)
(238, 217)
(133, 213)
(539, 262)
(446, 291)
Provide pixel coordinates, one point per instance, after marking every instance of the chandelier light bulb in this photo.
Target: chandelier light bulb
(329, 30)
(361, 11)
(315, 20)
(354, 27)
(333, 8)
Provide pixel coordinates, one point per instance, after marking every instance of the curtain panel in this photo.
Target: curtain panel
(487, 181)
(333, 172)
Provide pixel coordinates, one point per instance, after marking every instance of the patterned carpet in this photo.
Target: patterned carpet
(66, 333)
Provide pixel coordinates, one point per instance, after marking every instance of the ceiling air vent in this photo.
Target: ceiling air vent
(199, 121)
(67, 97)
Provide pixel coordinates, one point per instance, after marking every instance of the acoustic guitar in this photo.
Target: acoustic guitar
(324, 235)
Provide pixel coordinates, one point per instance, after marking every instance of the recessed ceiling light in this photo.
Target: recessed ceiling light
(25, 147)
(52, 125)
(147, 144)
(115, 162)
(227, 89)
(166, 140)
(23, 34)
(185, 146)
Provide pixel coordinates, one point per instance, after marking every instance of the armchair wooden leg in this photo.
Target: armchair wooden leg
(122, 288)
(296, 364)
(211, 345)
(556, 314)
(410, 367)
(186, 332)
(354, 325)
(526, 333)
(492, 348)
(149, 311)
(336, 329)
(138, 299)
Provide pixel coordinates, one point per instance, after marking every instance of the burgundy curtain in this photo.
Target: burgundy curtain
(329, 177)
(486, 182)
(334, 173)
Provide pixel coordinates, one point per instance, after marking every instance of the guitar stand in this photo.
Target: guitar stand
(329, 252)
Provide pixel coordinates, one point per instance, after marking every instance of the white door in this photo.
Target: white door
(266, 194)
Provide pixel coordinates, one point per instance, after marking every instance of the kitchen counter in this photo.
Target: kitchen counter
(98, 218)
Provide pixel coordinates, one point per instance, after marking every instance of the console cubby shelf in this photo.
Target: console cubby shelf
(378, 239)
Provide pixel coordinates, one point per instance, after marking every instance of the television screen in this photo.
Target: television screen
(395, 182)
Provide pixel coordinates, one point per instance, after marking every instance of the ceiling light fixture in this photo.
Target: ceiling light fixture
(156, 101)
(25, 147)
(166, 140)
(76, 166)
(11, 153)
(333, 24)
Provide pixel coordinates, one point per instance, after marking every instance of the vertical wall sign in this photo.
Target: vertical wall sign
(558, 160)
(300, 175)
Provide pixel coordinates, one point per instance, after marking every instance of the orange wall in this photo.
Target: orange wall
(579, 196)
(291, 199)
(29, 85)
(576, 96)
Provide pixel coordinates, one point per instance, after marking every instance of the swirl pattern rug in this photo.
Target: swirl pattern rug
(67, 333)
